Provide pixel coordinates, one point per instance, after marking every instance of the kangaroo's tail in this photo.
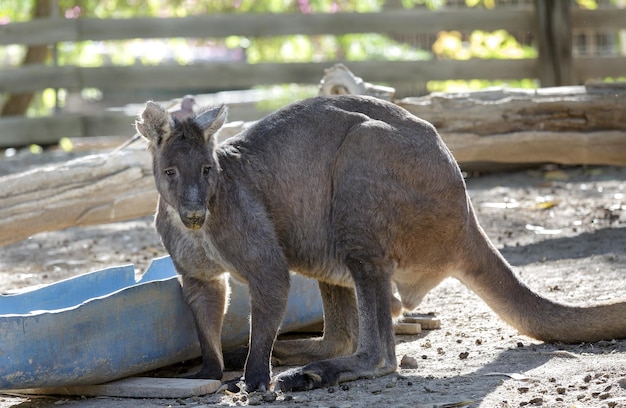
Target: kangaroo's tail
(488, 274)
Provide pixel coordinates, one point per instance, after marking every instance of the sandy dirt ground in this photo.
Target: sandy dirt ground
(564, 231)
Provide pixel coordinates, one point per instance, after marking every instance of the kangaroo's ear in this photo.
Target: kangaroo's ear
(211, 120)
(154, 123)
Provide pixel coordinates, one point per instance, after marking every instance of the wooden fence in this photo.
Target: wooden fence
(552, 26)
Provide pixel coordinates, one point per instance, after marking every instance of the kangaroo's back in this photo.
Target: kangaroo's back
(310, 163)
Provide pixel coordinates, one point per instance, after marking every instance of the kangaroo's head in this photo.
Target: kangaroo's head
(184, 162)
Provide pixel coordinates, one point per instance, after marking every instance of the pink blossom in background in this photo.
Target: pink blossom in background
(74, 12)
(304, 6)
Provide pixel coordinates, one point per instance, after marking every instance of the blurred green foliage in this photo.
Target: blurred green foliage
(296, 48)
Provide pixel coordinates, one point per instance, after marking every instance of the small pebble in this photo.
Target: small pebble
(408, 362)
(254, 400)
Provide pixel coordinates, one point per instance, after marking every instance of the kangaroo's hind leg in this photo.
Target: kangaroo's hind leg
(375, 352)
(341, 330)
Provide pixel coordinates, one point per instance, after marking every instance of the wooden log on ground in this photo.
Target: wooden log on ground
(527, 147)
(566, 125)
(91, 190)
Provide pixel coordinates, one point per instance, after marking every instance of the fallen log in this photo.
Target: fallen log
(565, 125)
(532, 147)
(91, 190)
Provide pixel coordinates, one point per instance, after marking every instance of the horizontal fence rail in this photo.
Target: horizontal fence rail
(237, 74)
(52, 30)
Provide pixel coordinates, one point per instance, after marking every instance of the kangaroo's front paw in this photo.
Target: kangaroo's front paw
(301, 379)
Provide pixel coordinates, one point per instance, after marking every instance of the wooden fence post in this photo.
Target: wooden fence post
(17, 103)
(554, 42)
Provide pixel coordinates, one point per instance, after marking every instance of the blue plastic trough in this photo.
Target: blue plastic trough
(105, 325)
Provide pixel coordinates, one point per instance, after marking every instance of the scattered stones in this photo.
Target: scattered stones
(463, 355)
(257, 398)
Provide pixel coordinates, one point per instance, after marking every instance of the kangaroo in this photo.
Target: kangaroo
(352, 191)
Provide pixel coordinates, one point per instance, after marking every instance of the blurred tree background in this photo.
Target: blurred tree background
(296, 48)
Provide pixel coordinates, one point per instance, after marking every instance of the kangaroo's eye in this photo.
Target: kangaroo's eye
(170, 172)
(206, 170)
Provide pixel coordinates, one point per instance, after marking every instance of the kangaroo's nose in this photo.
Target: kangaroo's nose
(193, 219)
